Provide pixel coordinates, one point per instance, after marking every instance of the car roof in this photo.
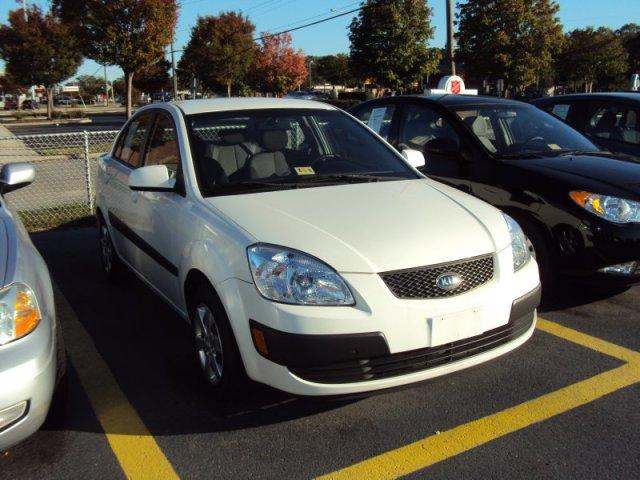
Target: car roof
(451, 100)
(191, 107)
(633, 96)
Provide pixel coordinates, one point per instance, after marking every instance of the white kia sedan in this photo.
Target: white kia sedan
(306, 252)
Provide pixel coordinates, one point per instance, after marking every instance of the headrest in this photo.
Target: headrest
(478, 124)
(274, 140)
(231, 137)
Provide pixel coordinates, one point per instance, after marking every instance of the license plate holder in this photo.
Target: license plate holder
(455, 326)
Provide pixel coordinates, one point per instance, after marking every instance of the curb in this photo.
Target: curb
(77, 121)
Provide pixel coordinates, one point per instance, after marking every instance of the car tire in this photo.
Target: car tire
(216, 351)
(61, 355)
(111, 264)
(541, 251)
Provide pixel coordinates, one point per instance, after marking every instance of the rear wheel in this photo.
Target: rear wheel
(111, 264)
(215, 345)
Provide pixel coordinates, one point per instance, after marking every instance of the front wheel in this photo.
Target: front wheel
(215, 345)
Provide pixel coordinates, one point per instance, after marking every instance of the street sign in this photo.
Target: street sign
(70, 89)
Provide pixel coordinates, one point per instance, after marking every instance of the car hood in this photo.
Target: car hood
(371, 227)
(612, 175)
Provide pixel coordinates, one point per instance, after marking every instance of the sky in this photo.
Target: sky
(332, 36)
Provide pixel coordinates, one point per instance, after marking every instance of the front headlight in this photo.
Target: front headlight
(289, 276)
(519, 247)
(614, 209)
(19, 313)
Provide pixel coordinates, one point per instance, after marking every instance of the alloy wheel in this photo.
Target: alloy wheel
(208, 344)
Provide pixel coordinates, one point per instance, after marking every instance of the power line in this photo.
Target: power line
(307, 25)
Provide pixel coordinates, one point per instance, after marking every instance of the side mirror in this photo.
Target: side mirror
(154, 178)
(16, 175)
(414, 157)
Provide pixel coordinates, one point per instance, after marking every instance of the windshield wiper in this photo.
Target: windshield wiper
(352, 177)
(516, 156)
(602, 153)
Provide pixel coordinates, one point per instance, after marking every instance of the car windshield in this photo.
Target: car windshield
(287, 148)
(512, 131)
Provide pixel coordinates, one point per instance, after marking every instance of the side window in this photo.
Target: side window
(560, 110)
(378, 119)
(163, 146)
(132, 141)
(425, 129)
(631, 126)
(606, 121)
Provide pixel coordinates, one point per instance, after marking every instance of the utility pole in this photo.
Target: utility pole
(173, 72)
(106, 87)
(450, 36)
(24, 9)
(310, 80)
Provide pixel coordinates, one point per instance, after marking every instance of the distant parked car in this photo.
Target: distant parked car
(612, 120)
(32, 357)
(30, 105)
(11, 104)
(64, 100)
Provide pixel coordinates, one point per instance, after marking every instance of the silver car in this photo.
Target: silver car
(32, 356)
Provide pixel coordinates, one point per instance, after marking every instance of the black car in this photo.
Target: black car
(612, 120)
(579, 206)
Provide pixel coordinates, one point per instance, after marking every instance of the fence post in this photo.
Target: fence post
(87, 164)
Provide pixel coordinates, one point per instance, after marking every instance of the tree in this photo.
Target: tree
(593, 56)
(90, 85)
(220, 50)
(630, 36)
(154, 77)
(333, 69)
(277, 67)
(514, 40)
(131, 34)
(40, 50)
(389, 42)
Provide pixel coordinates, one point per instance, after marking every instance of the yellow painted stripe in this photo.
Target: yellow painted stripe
(135, 448)
(588, 341)
(436, 448)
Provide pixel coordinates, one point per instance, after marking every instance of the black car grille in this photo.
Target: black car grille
(416, 360)
(417, 283)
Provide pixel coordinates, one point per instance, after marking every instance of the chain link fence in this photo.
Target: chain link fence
(66, 168)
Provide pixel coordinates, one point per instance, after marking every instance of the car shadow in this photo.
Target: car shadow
(575, 294)
(148, 348)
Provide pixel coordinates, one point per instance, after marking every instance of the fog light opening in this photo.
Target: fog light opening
(12, 414)
(628, 268)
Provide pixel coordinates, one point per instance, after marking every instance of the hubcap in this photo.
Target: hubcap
(106, 249)
(208, 344)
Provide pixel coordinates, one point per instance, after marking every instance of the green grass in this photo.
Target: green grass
(56, 217)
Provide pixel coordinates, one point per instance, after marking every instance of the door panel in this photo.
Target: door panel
(427, 130)
(162, 218)
(120, 198)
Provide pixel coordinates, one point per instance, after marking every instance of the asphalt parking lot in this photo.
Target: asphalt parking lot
(565, 405)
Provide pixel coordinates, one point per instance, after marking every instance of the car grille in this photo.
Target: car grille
(416, 360)
(420, 283)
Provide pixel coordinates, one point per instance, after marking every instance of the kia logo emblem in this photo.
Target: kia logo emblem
(448, 281)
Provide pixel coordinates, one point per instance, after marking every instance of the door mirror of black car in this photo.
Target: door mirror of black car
(16, 175)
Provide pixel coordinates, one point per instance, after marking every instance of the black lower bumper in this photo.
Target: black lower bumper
(366, 356)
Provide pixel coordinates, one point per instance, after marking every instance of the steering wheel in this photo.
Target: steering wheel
(322, 159)
(517, 147)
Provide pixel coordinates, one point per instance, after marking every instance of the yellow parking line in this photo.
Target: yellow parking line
(135, 448)
(436, 448)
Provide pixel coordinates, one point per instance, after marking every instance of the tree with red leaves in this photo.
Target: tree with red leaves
(277, 67)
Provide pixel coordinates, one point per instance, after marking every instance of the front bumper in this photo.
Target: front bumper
(594, 244)
(375, 330)
(27, 374)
